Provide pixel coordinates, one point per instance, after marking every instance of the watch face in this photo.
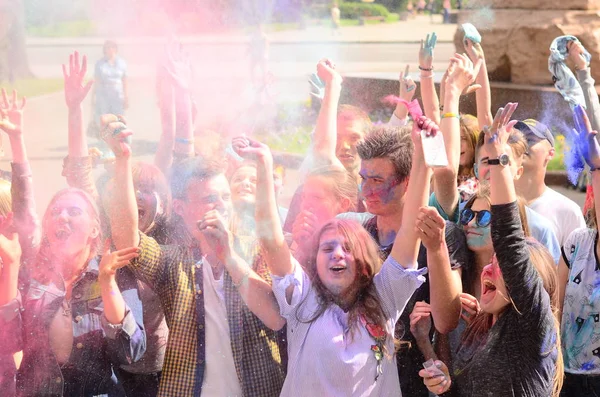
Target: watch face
(503, 159)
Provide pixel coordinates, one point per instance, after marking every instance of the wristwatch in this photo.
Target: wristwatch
(502, 160)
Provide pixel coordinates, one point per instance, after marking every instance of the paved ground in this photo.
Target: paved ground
(222, 73)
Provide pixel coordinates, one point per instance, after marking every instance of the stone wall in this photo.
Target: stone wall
(516, 42)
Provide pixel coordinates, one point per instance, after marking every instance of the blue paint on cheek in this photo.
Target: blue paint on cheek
(480, 241)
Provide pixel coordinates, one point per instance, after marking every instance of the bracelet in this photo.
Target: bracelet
(426, 69)
(184, 141)
(243, 279)
(449, 115)
(427, 77)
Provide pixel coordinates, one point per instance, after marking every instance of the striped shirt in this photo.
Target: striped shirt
(346, 366)
(175, 273)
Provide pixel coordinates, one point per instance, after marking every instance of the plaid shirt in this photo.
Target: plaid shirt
(176, 276)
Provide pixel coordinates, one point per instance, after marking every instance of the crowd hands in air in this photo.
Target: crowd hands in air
(388, 275)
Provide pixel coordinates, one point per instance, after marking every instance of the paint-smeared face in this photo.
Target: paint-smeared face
(349, 134)
(318, 199)
(483, 168)
(494, 295)
(243, 186)
(149, 205)
(539, 153)
(478, 238)
(69, 227)
(381, 188)
(336, 266)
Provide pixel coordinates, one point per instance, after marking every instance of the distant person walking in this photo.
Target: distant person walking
(110, 84)
(447, 8)
(258, 51)
(335, 18)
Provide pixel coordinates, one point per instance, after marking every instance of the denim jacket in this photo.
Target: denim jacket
(97, 345)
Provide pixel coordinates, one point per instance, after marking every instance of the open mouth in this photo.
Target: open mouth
(62, 234)
(488, 287)
(337, 269)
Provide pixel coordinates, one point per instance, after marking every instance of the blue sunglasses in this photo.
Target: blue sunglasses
(482, 218)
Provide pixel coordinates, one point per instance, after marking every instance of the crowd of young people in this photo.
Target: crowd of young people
(186, 277)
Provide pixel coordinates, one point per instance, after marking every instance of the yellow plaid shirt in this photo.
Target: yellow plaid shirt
(171, 272)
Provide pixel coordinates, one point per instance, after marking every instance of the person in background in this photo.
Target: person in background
(110, 94)
(335, 18)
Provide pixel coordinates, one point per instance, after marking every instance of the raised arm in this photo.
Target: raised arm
(522, 280)
(25, 217)
(584, 76)
(444, 283)
(406, 92)
(325, 136)
(445, 185)
(406, 244)
(268, 226)
(431, 102)
(483, 95)
(122, 204)
(77, 166)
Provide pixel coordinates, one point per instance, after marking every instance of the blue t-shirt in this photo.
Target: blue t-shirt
(539, 227)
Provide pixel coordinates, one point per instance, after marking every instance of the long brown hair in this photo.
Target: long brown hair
(469, 129)
(363, 297)
(546, 268)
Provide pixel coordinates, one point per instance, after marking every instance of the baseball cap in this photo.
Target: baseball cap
(533, 127)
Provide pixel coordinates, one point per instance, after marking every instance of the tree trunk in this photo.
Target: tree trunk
(14, 63)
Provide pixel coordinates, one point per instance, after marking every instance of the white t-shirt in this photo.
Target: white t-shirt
(220, 376)
(564, 214)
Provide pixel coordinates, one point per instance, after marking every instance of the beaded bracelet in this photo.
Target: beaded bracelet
(243, 279)
(449, 115)
(184, 141)
(426, 69)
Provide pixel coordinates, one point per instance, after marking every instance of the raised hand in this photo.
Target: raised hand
(113, 261)
(304, 226)
(11, 114)
(474, 50)
(420, 321)
(250, 149)
(497, 135)
(327, 73)
(407, 86)
(178, 66)
(470, 307)
(576, 55)
(585, 138)
(426, 52)
(317, 86)
(75, 91)
(462, 73)
(116, 134)
(431, 228)
(213, 227)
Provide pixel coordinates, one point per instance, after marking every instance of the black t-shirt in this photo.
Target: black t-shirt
(409, 358)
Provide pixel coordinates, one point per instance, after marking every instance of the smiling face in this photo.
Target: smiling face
(70, 226)
(479, 238)
(243, 187)
(381, 188)
(349, 133)
(494, 295)
(538, 155)
(336, 266)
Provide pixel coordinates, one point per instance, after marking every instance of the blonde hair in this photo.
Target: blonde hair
(469, 129)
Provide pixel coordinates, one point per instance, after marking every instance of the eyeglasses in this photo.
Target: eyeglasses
(482, 218)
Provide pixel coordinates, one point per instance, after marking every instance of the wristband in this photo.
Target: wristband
(427, 77)
(426, 69)
(449, 115)
(184, 141)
